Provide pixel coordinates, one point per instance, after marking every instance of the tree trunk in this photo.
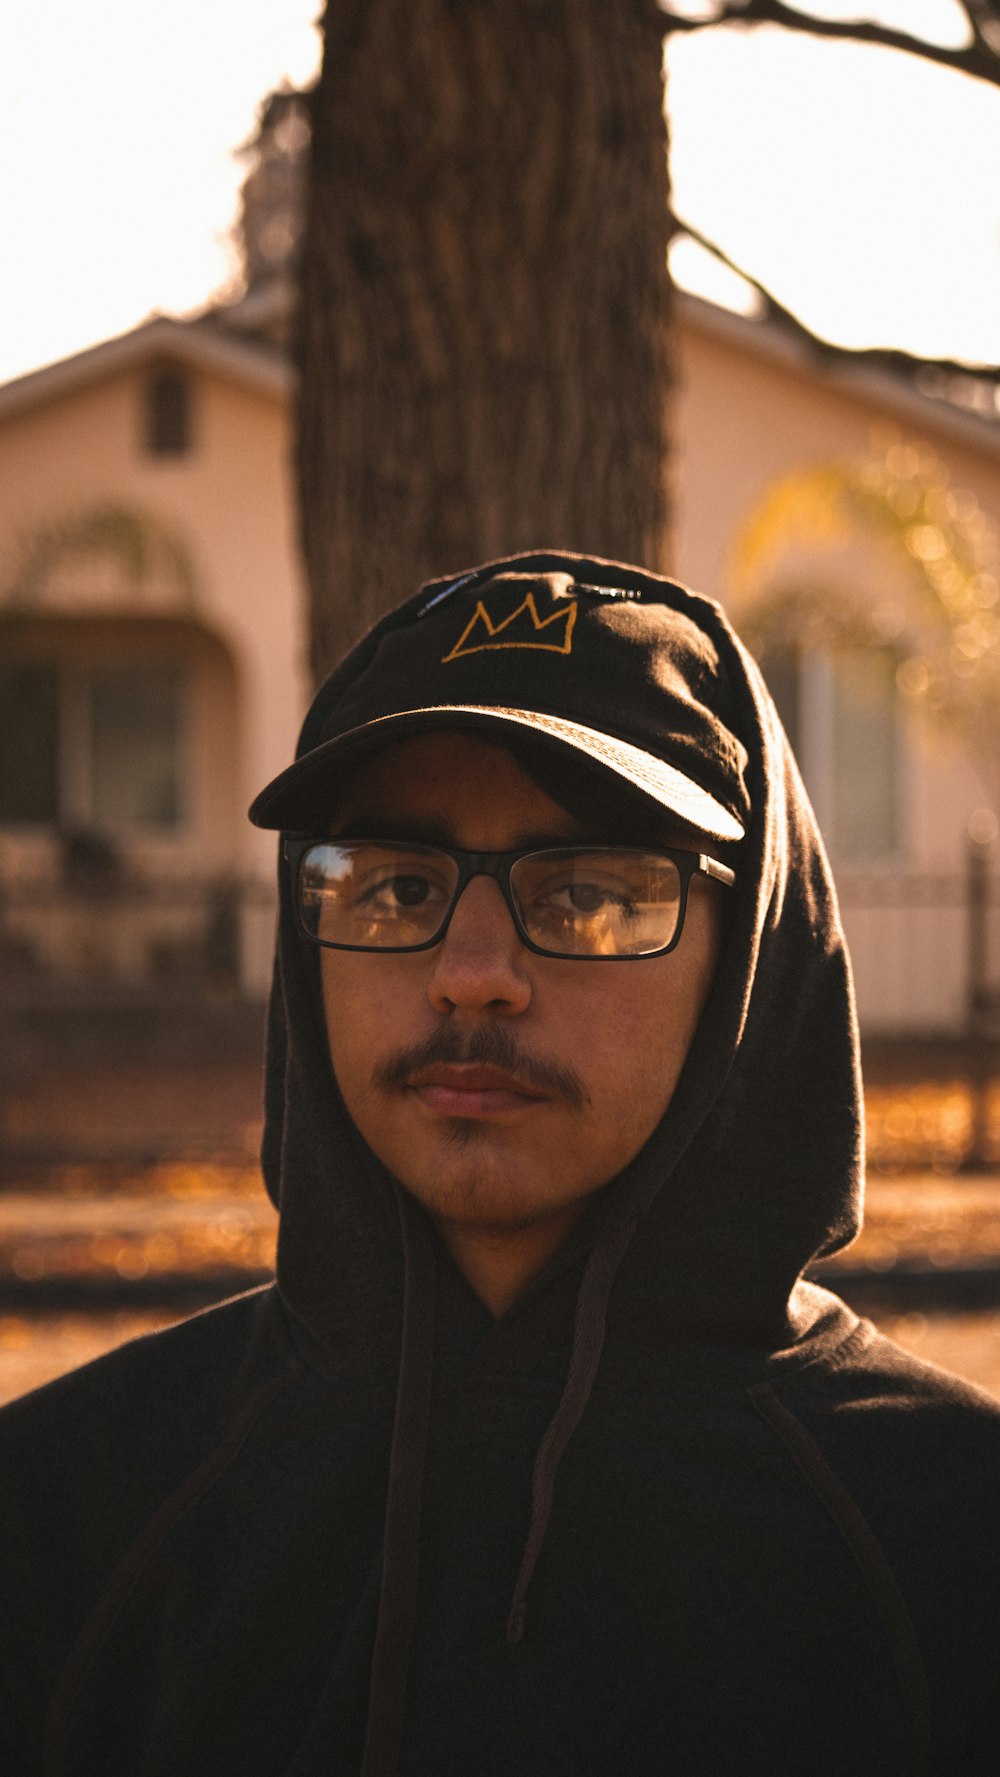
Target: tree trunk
(483, 326)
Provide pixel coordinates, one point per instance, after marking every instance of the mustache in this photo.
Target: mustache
(490, 1046)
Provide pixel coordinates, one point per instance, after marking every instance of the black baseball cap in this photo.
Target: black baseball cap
(584, 656)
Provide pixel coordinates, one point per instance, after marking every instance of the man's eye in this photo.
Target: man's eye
(589, 898)
(400, 891)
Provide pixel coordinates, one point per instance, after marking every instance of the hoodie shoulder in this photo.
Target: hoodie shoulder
(187, 1372)
(905, 1457)
(918, 1425)
(87, 1459)
(872, 1368)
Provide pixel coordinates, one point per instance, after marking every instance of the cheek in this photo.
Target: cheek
(634, 1055)
(641, 1033)
(347, 1019)
(371, 1010)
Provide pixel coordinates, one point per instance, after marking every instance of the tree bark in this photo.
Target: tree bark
(485, 304)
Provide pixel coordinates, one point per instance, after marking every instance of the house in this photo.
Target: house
(153, 650)
(152, 653)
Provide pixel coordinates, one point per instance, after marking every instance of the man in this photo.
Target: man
(540, 1458)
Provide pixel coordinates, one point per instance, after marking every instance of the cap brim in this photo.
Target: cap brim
(300, 797)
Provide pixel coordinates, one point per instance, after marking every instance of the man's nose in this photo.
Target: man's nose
(479, 964)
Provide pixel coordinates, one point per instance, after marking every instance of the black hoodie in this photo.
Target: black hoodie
(676, 1511)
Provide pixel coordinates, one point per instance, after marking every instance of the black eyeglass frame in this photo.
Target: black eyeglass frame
(498, 865)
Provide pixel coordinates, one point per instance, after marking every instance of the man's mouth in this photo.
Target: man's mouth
(468, 1089)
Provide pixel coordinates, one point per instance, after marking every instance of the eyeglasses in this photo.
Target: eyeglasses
(594, 903)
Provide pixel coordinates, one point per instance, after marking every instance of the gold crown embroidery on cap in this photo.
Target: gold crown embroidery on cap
(481, 632)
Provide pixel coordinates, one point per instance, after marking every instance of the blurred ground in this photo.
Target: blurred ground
(132, 1110)
(168, 1213)
(924, 1124)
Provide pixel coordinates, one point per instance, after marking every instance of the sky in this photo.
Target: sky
(861, 186)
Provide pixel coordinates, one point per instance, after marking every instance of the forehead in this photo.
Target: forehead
(452, 788)
(458, 785)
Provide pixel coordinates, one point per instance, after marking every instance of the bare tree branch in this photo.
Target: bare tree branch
(984, 23)
(877, 357)
(980, 57)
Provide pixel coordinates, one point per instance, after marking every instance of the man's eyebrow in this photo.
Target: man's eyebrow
(371, 823)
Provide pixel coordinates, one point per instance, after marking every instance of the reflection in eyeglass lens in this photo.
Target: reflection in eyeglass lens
(604, 903)
(375, 895)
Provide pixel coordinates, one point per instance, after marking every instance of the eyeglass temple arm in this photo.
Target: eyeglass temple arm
(719, 872)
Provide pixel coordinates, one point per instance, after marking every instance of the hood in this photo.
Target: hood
(756, 1167)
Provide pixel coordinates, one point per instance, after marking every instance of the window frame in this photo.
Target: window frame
(74, 716)
(815, 749)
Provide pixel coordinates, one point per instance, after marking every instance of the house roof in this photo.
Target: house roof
(220, 342)
(837, 369)
(201, 343)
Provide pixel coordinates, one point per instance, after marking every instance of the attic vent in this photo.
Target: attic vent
(167, 418)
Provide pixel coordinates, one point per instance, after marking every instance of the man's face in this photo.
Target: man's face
(501, 1088)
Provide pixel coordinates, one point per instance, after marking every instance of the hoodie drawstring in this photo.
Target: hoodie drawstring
(401, 1540)
(588, 1343)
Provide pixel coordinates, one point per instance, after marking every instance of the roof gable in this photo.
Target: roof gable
(206, 344)
(874, 387)
(200, 344)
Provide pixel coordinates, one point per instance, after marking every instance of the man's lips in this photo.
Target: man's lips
(467, 1089)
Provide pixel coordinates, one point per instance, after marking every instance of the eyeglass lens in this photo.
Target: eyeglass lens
(598, 902)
